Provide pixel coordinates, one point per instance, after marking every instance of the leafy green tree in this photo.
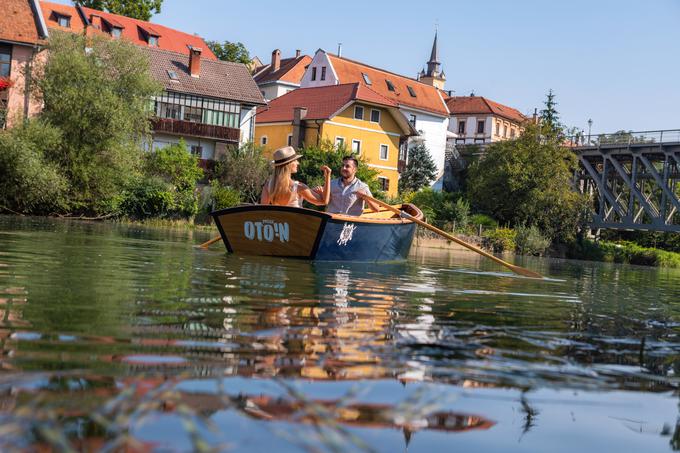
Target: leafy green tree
(420, 170)
(443, 209)
(30, 184)
(529, 181)
(99, 101)
(137, 9)
(313, 157)
(230, 51)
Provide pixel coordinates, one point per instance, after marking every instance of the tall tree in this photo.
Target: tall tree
(99, 101)
(230, 51)
(550, 118)
(529, 181)
(137, 9)
(420, 170)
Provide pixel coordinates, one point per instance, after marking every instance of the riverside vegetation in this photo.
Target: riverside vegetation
(518, 197)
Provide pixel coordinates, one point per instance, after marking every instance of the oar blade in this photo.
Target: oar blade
(525, 272)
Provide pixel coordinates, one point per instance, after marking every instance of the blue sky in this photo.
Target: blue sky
(617, 62)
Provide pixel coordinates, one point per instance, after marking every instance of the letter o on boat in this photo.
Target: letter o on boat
(249, 230)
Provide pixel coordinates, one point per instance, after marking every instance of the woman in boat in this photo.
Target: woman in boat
(280, 189)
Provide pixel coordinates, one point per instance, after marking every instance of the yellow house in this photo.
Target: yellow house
(350, 115)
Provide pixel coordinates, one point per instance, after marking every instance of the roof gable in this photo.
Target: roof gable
(291, 71)
(405, 91)
(461, 105)
(218, 79)
(20, 22)
(134, 30)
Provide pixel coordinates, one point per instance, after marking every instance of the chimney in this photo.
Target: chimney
(339, 49)
(195, 61)
(299, 115)
(276, 60)
(297, 53)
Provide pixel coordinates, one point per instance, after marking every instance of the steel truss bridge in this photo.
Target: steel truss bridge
(633, 177)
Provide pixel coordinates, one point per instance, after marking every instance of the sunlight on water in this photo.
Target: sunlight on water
(110, 331)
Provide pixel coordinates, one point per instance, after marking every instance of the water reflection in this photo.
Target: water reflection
(89, 313)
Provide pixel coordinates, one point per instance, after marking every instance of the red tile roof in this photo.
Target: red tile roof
(18, 22)
(321, 102)
(468, 105)
(291, 70)
(132, 29)
(426, 97)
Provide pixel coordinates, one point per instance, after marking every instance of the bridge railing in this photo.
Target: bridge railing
(626, 138)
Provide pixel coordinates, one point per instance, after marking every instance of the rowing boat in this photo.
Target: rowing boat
(304, 233)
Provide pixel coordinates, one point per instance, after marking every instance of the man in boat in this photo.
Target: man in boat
(345, 190)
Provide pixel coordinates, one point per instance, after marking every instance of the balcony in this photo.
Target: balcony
(191, 129)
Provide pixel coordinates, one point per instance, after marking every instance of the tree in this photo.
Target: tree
(230, 51)
(137, 9)
(99, 101)
(420, 170)
(243, 169)
(550, 119)
(528, 181)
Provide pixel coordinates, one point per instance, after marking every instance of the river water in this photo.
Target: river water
(115, 337)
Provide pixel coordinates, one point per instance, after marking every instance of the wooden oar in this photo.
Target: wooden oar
(517, 269)
(207, 244)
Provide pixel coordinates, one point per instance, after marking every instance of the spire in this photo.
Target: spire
(434, 56)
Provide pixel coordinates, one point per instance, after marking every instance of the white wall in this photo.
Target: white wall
(471, 128)
(433, 133)
(162, 140)
(274, 90)
(320, 59)
(246, 123)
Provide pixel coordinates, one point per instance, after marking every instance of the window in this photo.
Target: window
(384, 152)
(498, 128)
(390, 85)
(116, 32)
(505, 130)
(153, 41)
(5, 60)
(512, 133)
(290, 140)
(314, 73)
(340, 142)
(356, 147)
(384, 183)
(64, 21)
(197, 150)
(366, 78)
(193, 114)
(263, 140)
(480, 126)
(173, 75)
(358, 112)
(461, 127)
(165, 110)
(323, 73)
(375, 116)
(412, 120)
(411, 91)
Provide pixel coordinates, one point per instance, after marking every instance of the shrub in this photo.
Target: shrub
(148, 197)
(530, 241)
(499, 240)
(441, 208)
(623, 252)
(245, 170)
(29, 183)
(222, 197)
(487, 222)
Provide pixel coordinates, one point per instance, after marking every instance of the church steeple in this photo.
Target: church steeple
(434, 75)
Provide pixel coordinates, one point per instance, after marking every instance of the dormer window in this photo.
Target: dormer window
(63, 20)
(150, 35)
(366, 78)
(153, 41)
(411, 91)
(116, 32)
(390, 85)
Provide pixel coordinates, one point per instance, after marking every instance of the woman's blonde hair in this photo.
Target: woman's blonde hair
(279, 185)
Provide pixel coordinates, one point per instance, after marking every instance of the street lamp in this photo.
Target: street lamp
(590, 124)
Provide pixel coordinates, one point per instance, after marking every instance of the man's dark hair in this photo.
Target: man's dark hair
(353, 159)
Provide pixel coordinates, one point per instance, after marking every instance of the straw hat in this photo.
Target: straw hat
(285, 155)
